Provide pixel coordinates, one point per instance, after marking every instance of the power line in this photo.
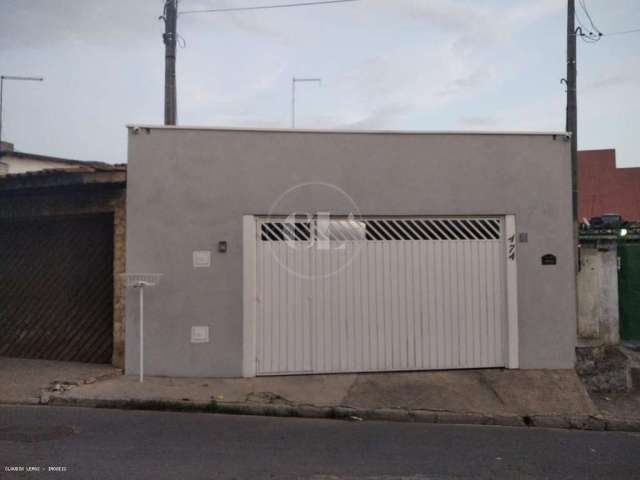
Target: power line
(592, 37)
(586, 12)
(265, 7)
(585, 33)
(589, 37)
(593, 34)
(588, 34)
(623, 32)
(580, 22)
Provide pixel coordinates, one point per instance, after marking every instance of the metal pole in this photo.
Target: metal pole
(141, 333)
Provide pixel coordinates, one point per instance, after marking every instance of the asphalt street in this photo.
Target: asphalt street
(96, 443)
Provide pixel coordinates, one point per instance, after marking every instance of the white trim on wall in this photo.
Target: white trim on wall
(512, 339)
(249, 296)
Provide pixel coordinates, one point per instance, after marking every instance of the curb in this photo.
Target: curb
(581, 422)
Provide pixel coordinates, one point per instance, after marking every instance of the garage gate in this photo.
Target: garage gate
(56, 288)
(380, 294)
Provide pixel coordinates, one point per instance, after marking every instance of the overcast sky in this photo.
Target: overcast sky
(385, 64)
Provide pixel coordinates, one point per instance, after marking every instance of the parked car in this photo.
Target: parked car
(608, 220)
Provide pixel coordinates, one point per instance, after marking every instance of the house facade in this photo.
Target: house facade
(605, 188)
(297, 252)
(13, 162)
(62, 231)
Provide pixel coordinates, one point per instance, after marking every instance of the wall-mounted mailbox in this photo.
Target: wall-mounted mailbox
(549, 259)
(222, 246)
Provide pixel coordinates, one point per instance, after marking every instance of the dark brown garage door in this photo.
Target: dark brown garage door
(56, 288)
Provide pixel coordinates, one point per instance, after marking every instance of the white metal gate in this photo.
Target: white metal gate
(379, 294)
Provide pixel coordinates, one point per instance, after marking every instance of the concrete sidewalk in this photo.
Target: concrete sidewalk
(22, 380)
(543, 398)
(488, 392)
(551, 398)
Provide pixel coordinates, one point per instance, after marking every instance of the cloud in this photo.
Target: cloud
(386, 87)
(259, 23)
(478, 121)
(202, 89)
(398, 82)
(621, 74)
(473, 23)
(481, 75)
(609, 81)
(526, 12)
(35, 23)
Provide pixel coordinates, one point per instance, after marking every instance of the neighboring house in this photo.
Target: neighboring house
(407, 251)
(13, 162)
(609, 277)
(605, 188)
(62, 228)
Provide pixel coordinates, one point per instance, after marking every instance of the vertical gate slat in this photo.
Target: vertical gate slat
(356, 281)
(405, 348)
(500, 312)
(380, 270)
(415, 311)
(394, 320)
(491, 304)
(430, 307)
(365, 311)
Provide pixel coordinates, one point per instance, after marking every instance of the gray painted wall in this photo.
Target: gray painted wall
(189, 188)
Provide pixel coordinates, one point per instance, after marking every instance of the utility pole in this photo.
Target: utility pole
(169, 37)
(572, 125)
(572, 104)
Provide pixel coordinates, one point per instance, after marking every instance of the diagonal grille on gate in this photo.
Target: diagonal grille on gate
(382, 229)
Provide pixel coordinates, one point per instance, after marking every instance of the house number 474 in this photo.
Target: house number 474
(511, 247)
